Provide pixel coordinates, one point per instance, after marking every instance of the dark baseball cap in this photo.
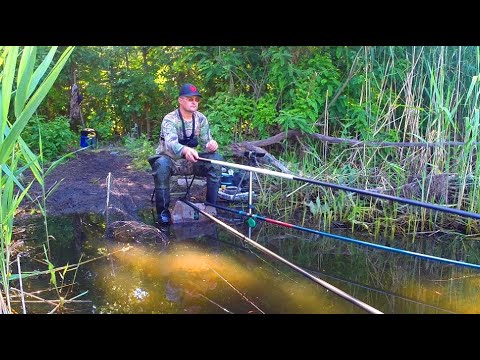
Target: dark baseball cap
(189, 90)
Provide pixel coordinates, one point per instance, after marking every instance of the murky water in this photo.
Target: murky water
(207, 270)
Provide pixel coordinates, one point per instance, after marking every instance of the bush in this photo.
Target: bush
(140, 149)
(57, 138)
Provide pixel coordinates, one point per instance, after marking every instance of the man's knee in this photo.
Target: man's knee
(217, 168)
(215, 156)
(214, 170)
(212, 156)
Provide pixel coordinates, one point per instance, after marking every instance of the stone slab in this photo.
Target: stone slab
(183, 213)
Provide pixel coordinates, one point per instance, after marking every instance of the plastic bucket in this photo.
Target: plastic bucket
(88, 137)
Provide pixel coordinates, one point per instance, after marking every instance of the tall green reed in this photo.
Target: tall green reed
(25, 85)
(400, 94)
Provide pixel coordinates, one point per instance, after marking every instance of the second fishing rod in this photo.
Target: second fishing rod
(345, 188)
(343, 238)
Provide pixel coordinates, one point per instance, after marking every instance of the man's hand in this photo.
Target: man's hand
(190, 154)
(212, 146)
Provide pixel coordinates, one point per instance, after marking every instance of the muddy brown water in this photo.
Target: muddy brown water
(204, 269)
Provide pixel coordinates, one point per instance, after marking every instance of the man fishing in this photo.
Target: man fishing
(183, 131)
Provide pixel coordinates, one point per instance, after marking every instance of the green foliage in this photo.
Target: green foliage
(292, 119)
(104, 126)
(312, 84)
(57, 138)
(368, 93)
(356, 122)
(282, 69)
(264, 117)
(229, 118)
(140, 150)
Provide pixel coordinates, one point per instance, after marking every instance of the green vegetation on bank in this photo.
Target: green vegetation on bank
(370, 94)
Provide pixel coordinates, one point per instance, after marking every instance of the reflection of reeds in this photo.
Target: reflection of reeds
(62, 290)
(26, 94)
(395, 277)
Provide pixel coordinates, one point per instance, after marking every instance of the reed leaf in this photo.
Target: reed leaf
(25, 71)
(12, 175)
(40, 71)
(32, 105)
(7, 83)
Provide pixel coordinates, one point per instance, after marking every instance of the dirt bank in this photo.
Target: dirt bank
(83, 184)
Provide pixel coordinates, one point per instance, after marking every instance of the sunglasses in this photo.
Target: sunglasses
(192, 98)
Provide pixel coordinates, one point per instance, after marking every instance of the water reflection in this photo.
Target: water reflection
(206, 270)
(390, 282)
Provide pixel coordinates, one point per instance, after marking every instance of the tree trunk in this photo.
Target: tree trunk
(76, 118)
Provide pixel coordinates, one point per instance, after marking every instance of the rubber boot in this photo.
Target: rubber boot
(212, 192)
(162, 170)
(162, 202)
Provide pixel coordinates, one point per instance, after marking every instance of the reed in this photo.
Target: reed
(23, 84)
(407, 94)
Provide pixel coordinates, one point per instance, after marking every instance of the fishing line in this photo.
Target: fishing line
(351, 240)
(323, 283)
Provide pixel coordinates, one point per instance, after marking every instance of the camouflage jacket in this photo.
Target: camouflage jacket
(171, 131)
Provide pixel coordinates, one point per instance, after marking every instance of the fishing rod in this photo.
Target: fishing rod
(323, 283)
(344, 238)
(345, 188)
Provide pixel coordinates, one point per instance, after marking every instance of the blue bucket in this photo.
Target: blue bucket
(88, 137)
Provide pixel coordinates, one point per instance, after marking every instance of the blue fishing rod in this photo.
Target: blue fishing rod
(343, 238)
(345, 188)
(321, 282)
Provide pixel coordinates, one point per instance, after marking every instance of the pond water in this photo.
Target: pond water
(205, 269)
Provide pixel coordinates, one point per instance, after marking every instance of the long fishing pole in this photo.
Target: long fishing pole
(346, 188)
(344, 238)
(323, 283)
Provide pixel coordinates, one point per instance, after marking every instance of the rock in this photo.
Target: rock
(183, 213)
(134, 231)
